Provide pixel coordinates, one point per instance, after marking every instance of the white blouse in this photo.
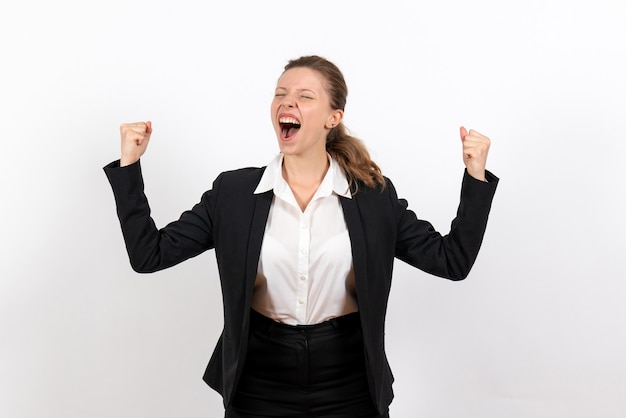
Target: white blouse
(305, 273)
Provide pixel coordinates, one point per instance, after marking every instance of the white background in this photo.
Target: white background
(537, 330)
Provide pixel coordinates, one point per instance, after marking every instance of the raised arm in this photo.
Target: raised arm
(453, 255)
(150, 248)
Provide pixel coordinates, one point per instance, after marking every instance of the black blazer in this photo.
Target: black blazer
(231, 219)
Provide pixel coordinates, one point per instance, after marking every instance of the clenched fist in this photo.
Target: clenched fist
(475, 150)
(135, 138)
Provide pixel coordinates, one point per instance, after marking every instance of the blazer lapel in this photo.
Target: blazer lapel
(255, 240)
(357, 240)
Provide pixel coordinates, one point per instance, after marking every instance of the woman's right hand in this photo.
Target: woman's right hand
(135, 138)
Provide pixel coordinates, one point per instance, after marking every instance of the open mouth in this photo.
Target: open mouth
(289, 126)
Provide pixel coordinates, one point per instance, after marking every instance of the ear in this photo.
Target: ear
(334, 119)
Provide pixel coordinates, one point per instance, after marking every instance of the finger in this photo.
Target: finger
(135, 131)
(131, 129)
(472, 141)
(463, 133)
(132, 136)
(139, 127)
(149, 127)
(476, 133)
(133, 124)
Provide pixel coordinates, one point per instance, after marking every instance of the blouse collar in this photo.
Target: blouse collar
(334, 181)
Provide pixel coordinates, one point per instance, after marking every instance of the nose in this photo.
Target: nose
(287, 101)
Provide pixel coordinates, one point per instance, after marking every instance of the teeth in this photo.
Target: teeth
(290, 120)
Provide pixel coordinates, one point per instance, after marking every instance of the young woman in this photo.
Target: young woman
(305, 248)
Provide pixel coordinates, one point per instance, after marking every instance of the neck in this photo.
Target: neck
(309, 171)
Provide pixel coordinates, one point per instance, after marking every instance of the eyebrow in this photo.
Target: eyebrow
(298, 90)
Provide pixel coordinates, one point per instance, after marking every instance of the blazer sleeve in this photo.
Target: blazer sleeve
(149, 248)
(453, 255)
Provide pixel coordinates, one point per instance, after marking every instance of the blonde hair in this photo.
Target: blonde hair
(349, 151)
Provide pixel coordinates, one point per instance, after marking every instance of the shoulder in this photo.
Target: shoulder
(241, 178)
(381, 200)
(363, 191)
(241, 181)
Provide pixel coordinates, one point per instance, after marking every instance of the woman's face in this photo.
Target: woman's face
(301, 112)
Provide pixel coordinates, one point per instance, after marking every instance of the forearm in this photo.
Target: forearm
(150, 249)
(467, 230)
(453, 255)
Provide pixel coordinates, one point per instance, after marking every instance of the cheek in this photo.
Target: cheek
(273, 110)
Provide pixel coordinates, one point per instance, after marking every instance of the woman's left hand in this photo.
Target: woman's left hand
(475, 150)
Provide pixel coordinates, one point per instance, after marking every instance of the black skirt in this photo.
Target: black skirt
(304, 371)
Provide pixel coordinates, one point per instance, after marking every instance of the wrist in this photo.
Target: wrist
(124, 161)
(478, 174)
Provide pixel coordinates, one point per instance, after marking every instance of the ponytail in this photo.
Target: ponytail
(354, 158)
